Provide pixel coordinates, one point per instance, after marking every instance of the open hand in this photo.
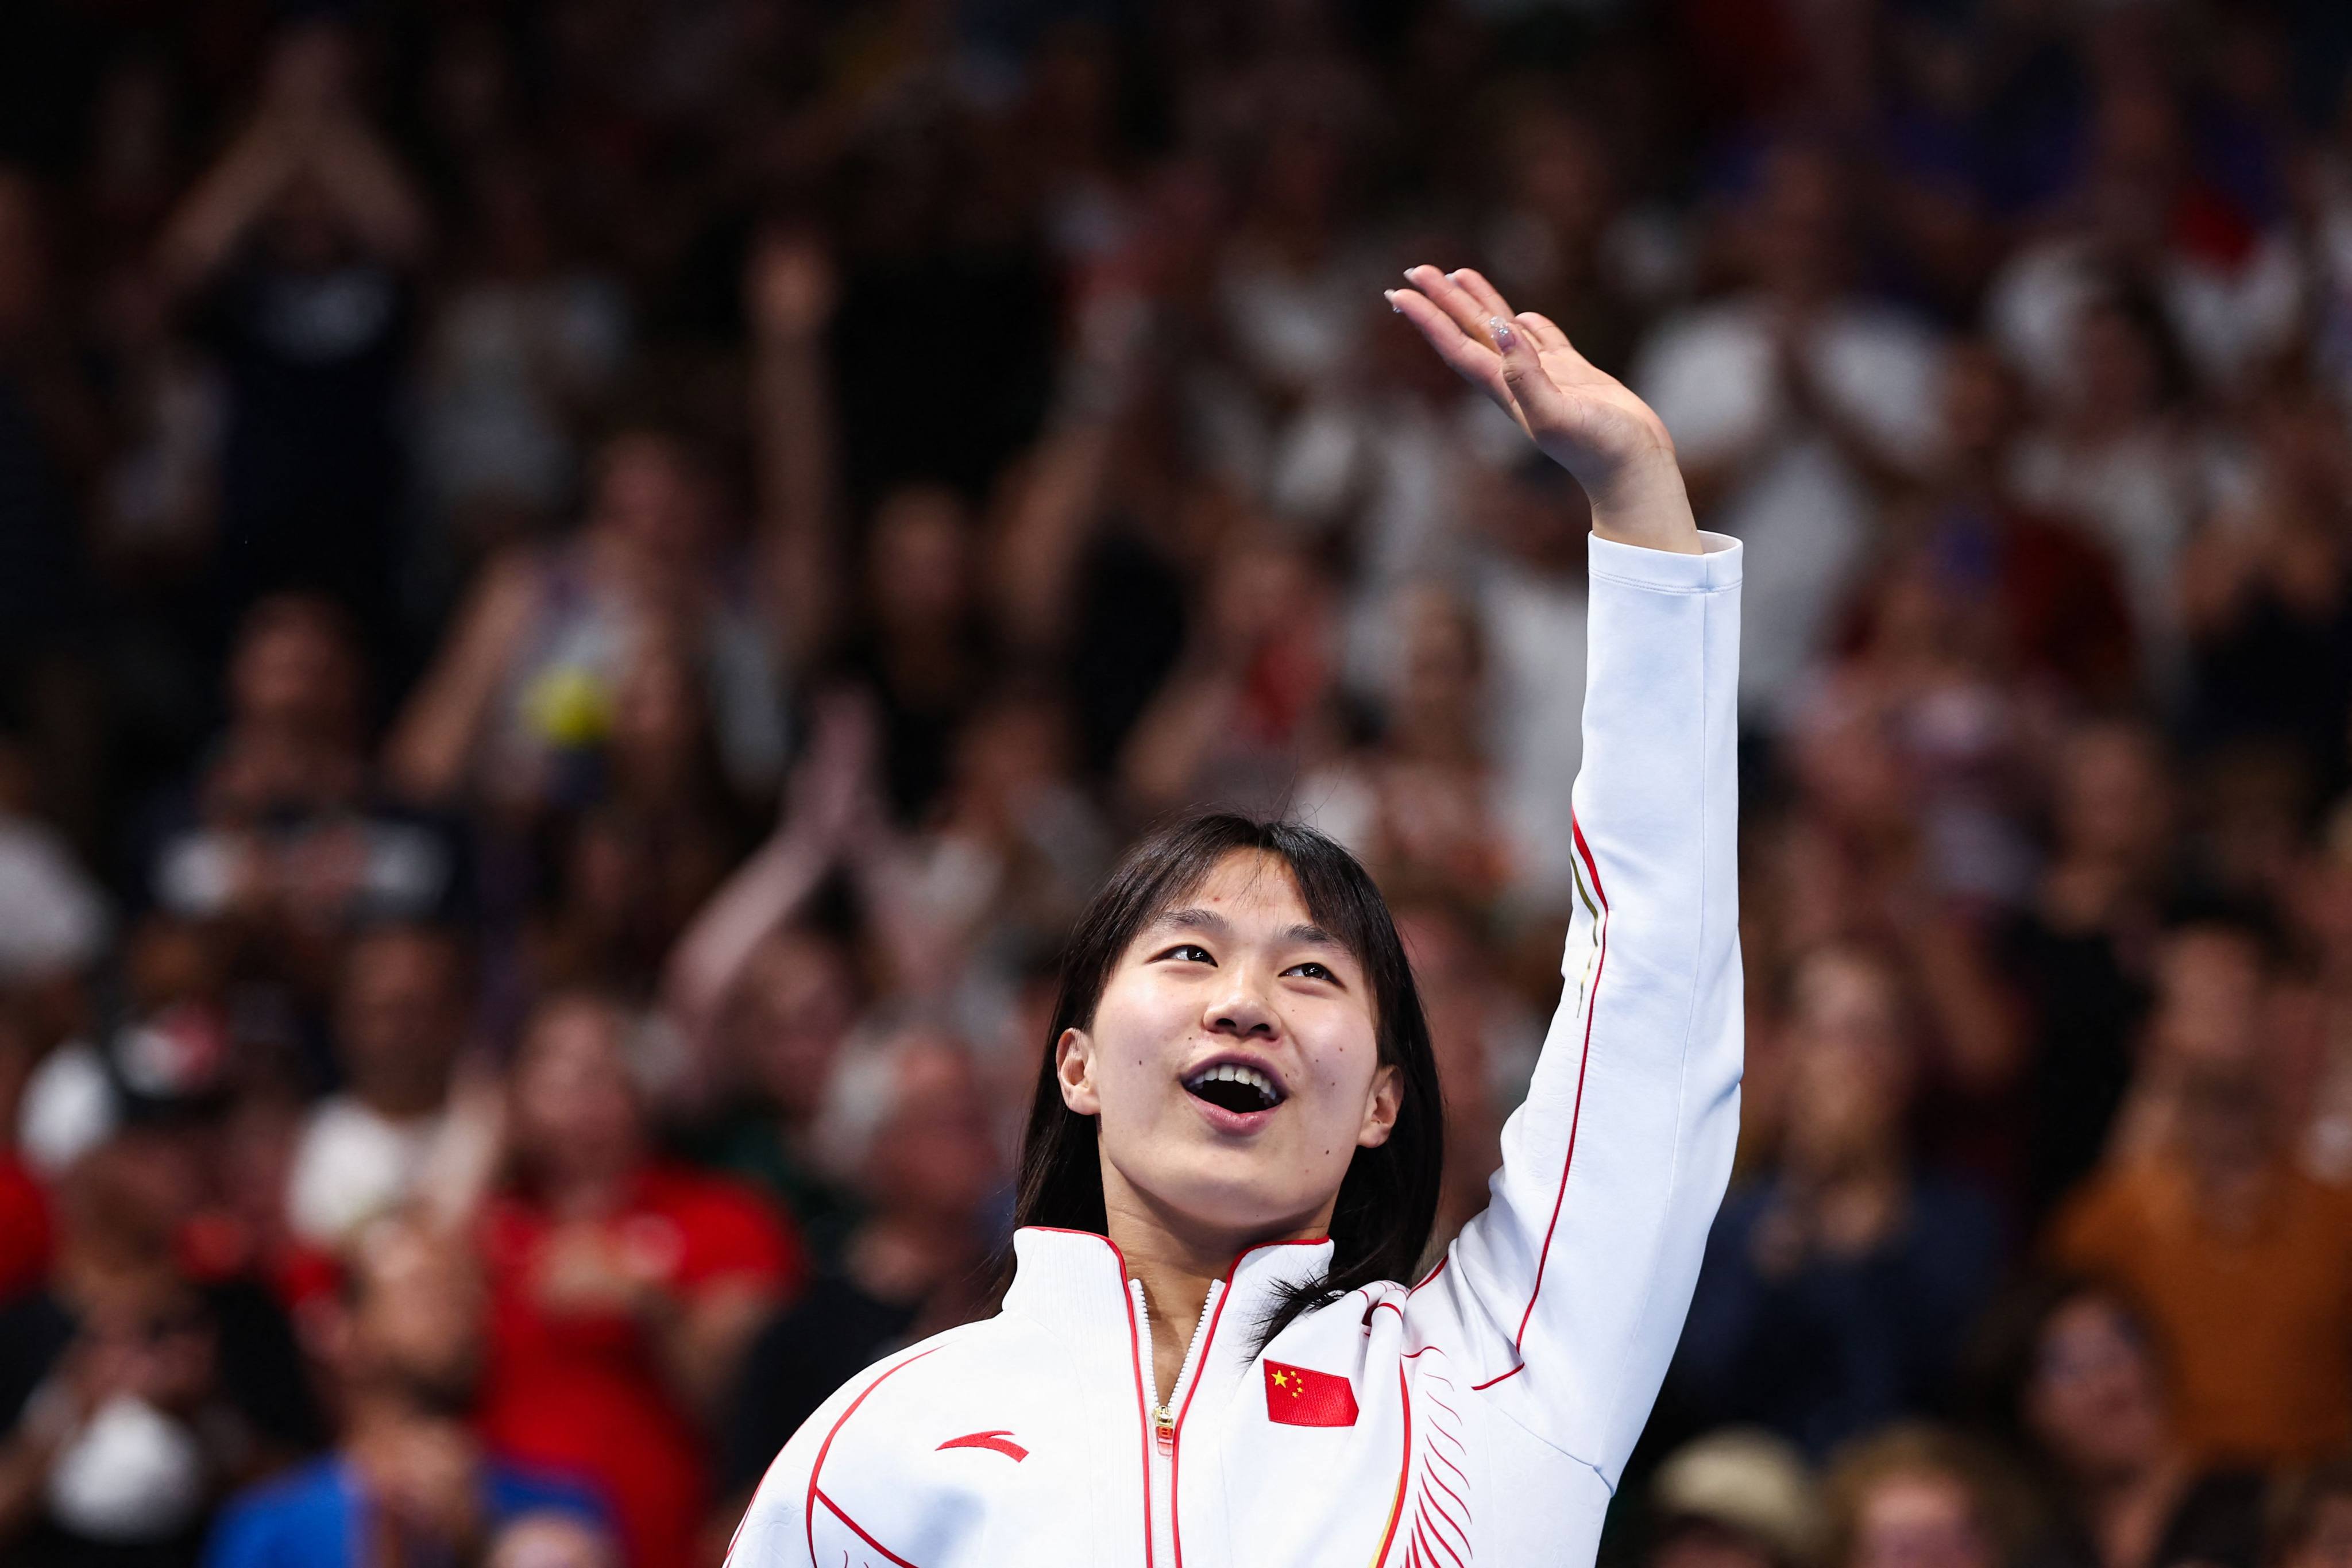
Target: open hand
(1582, 418)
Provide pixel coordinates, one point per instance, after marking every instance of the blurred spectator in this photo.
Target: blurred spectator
(1248, 702)
(2083, 951)
(27, 1239)
(49, 440)
(624, 1288)
(54, 925)
(761, 997)
(284, 838)
(2311, 1519)
(2267, 591)
(2045, 598)
(1486, 1040)
(922, 650)
(1735, 1499)
(1414, 807)
(522, 346)
(1786, 403)
(400, 1018)
(2226, 274)
(297, 248)
(1838, 1287)
(1552, 241)
(2117, 458)
(1924, 1497)
(2244, 1262)
(408, 1481)
(1530, 589)
(2084, 1386)
(547, 1539)
(904, 1122)
(136, 1395)
(533, 676)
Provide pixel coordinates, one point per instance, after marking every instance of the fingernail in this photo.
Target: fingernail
(1390, 295)
(1505, 338)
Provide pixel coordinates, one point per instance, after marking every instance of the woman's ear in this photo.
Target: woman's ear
(1380, 1106)
(1074, 1068)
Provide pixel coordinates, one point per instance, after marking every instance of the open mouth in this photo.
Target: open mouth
(1231, 1086)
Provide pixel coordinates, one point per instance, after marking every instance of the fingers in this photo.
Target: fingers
(1472, 283)
(1446, 291)
(1547, 335)
(1539, 398)
(1459, 346)
(1568, 365)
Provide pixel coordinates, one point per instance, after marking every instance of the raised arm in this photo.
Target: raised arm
(822, 805)
(1569, 1292)
(790, 291)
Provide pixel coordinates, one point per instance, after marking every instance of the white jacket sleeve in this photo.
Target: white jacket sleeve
(1569, 1292)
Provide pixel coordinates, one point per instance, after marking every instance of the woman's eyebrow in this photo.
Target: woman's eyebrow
(1310, 935)
(1208, 920)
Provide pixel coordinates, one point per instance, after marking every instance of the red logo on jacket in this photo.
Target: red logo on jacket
(998, 1440)
(1298, 1396)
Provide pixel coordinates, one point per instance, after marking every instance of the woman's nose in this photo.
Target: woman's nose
(1242, 1012)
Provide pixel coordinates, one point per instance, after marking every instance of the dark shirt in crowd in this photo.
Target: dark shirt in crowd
(312, 468)
(2216, 1523)
(808, 1351)
(1835, 1346)
(2086, 1008)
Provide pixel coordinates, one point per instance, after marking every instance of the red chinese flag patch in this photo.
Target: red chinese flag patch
(1297, 1397)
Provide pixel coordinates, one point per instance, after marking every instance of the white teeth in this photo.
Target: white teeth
(1235, 1072)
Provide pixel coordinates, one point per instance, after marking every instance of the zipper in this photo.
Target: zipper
(1162, 1421)
(1162, 1473)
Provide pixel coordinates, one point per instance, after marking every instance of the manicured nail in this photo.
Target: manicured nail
(1390, 295)
(1505, 338)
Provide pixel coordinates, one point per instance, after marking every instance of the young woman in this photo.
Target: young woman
(1206, 1352)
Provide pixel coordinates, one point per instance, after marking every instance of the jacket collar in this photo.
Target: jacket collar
(1075, 1283)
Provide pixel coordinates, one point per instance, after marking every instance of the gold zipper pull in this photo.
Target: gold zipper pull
(1165, 1426)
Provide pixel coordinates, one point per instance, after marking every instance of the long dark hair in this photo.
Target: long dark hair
(1388, 1200)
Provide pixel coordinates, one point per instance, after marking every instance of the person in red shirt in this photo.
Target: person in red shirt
(25, 1235)
(624, 1288)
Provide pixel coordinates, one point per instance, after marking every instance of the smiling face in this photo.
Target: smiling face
(1233, 1063)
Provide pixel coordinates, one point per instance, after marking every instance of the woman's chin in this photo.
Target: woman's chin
(1227, 1203)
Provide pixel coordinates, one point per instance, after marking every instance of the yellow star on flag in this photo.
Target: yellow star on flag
(1282, 1379)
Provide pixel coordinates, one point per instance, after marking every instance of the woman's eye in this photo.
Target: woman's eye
(1312, 970)
(1191, 952)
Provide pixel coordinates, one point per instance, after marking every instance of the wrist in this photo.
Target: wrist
(1648, 506)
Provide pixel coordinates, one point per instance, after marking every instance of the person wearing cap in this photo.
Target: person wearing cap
(1737, 1497)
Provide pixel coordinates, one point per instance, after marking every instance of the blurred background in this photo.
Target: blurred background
(586, 586)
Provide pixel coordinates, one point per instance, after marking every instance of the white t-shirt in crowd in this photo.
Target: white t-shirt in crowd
(1713, 375)
(69, 1106)
(354, 1163)
(2228, 319)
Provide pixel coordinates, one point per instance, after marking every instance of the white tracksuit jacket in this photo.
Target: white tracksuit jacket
(1496, 1402)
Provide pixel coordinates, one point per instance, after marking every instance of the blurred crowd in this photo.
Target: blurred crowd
(587, 585)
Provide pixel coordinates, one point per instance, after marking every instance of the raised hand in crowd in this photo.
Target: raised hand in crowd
(308, 142)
